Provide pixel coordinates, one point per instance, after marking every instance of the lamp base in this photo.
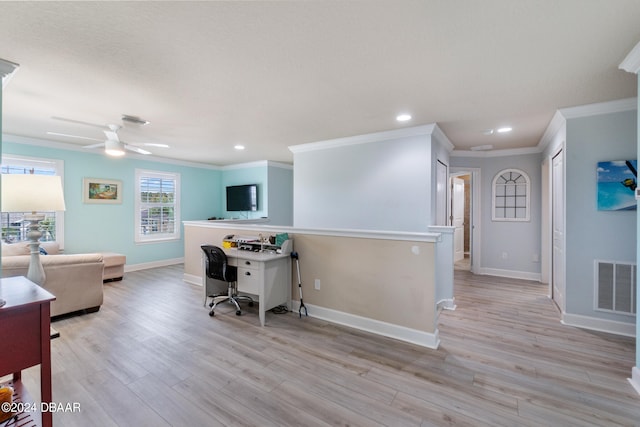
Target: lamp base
(35, 273)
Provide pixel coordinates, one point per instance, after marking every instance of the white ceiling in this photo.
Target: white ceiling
(209, 75)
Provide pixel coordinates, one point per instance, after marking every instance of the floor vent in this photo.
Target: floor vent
(615, 287)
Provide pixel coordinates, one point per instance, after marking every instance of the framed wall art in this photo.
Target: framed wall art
(101, 191)
(617, 182)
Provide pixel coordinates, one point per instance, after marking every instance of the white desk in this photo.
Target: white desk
(264, 275)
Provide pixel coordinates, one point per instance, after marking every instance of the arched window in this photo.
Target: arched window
(511, 196)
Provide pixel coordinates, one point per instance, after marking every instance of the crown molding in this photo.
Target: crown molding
(73, 147)
(247, 165)
(631, 63)
(607, 107)
(7, 70)
(17, 139)
(561, 116)
(496, 153)
(558, 121)
(280, 165)
(365, 138)
(256, 164)
(440, 136)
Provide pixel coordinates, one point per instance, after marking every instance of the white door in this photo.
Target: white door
(441, 193)
(457, 217)
(557, 218)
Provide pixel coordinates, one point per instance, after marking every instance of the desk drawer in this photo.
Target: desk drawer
(248, 264)
(249, 280)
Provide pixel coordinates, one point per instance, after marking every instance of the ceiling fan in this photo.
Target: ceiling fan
(113, 145)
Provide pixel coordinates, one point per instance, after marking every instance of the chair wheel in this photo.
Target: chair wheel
(211, 304)
(212, 313)
(250, 303)
(238, 313)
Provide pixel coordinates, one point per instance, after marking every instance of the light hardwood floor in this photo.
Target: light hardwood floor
(153, 357)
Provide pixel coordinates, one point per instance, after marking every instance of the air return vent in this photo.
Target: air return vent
(615, 287)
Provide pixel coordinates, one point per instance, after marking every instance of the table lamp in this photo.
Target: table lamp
(35, 194)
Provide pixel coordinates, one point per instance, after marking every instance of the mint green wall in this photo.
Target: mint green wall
(246, 175)
(90, 227)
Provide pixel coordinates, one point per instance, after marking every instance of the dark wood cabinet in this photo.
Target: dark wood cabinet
(25, 338)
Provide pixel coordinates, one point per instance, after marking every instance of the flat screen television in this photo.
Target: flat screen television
(242, 198)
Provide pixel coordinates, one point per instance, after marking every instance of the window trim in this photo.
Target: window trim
(58, 165)
(527, 196)
(140, 238)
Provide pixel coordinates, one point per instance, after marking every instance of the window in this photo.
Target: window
(157, 206)
(511, 194)
(14, 228)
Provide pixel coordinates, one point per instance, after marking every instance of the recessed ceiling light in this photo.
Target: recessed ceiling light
(403, 117)
(504, 129)
(487, 132)
(239, 147)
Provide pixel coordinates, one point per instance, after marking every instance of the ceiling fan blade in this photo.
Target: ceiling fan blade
(155, 144)
(80, 122)
(111, 135)
(136, 149)
(73, 136)
(94, 145)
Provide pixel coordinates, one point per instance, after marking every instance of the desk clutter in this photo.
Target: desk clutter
(278, 243)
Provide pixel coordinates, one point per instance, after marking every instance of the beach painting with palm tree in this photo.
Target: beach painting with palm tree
(617, 182)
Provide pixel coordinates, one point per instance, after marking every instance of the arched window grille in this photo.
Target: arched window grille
(511, 196)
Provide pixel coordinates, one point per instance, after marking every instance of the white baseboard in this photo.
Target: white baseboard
(153, 264)
(600, 325)
(192, 279)
(421, 338)
(512, 274)
(447, 304)
(635, 378)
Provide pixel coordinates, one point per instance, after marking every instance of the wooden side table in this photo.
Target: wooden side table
(24, 334)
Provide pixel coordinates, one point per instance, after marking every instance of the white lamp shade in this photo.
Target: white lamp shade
(31, 193)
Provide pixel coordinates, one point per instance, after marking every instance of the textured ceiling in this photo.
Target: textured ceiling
(209, 75)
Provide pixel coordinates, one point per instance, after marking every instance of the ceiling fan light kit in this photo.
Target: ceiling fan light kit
(113, 148)
(113, 145)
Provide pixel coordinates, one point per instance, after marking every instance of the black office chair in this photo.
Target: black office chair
(218, 268)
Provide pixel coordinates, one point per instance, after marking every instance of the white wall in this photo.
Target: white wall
(378, 182)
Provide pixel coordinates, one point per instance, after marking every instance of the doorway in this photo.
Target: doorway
(465, 210)
(459, 215)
